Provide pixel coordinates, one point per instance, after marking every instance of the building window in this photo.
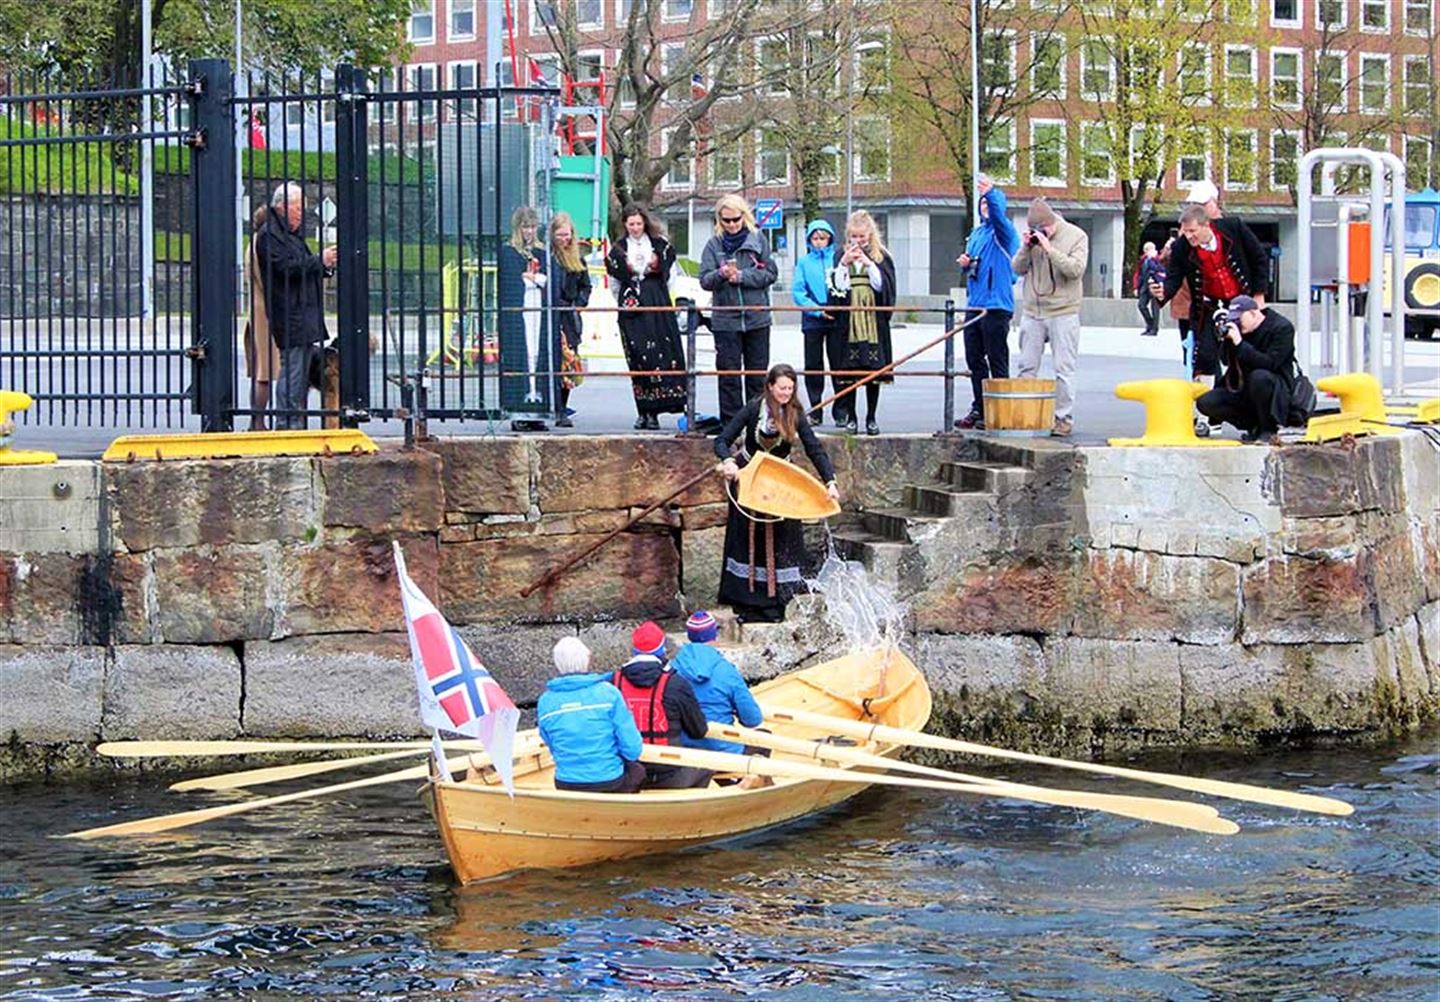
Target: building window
(1047, 66)
(1240, 76)
(1330, 13)
(1193, 163)
(1417, 85)
(1418, 16)
(622, 12)
(772, 160)
(460, 21)
(1240, 12)
(872, 65)
(997, 59)
(1375, 15)
(462, 77)
(1284, 160)
(773, 55)
(1194, 75)
(1240, 159)
(721, 8)
(1285, 13)
(1330, 81)
(1047, 153)
(725, 168)
(872, 149)
(1097, 81)
(677, 10)
(1417, 161)
(422, 21)
(1285, 77)
(829, 166)
(1147, 142)
(549, 65)
(1374, 83)
(672, 54)
(679, 175)
(1195, 10)
(1097, 165)
(589, 65)
(422, 77)
(997, 158)
(589, 14)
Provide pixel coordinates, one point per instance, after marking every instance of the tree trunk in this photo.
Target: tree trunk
(1134, 196)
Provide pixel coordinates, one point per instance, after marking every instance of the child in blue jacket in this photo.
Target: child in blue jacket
(823, 337)
(722, 693)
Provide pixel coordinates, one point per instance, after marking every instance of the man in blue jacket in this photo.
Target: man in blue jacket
(722, 693)
(991, 287)
(588, 728)
(823, 338)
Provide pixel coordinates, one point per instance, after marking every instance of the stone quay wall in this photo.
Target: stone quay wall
(1115, 598)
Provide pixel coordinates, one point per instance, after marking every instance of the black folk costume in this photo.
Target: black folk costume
(524, 336)
(570, 292)
(762, 570)
(640, 269)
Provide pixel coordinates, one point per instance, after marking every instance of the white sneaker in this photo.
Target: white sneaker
(1202, 427)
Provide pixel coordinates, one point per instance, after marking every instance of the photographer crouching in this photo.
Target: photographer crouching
(1258, 348)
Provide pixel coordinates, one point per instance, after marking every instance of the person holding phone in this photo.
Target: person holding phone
(737, 270)
(990, 286)
(864, 278)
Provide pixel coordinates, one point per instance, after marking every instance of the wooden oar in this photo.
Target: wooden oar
(758, 765)
(918, 739)
(853, 756)
(280, 773)
(205, 749)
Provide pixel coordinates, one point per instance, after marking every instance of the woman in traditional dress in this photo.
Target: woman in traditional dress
(864, 276)
(639, 264)
(570, 293)
(523, 274)
(762, 558)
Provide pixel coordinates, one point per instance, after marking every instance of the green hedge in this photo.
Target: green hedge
(86, 168)
(175, 247)
(292, 164)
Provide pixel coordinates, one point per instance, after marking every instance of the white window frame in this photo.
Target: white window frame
(1254, 73)
(1207, 87)
(1050, 182)
(464, 106)
(1012, 50)
(1230, 183)
(762, 177)
(1424, 63)
(536, 29)
(410, 35)
(1428, 6)
(1299, 80)
(669, 182)
(1205, 156)
(1383, 59)
(1197, 15)
(719, 182)
(1132, 152)
(585, 54)
(1380, 5)
(669, 18)
(866, 124)
(451, 35)
(772, 88)
(1058, 39)
(667, 67)
(1093, 181)
(874, 41)
(715, 9)
(1270, 172)
(596, 25)
(1287, 22)
(550, 61)
(1249, 19)
(622, 14)
(413, 85)
(1339, 25)
(1107, 50)
(1345, 82)
(1006, 128)
(1409, 140)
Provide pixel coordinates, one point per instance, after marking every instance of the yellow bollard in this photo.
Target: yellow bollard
(1168, 413)
(1362, 408)
(10, 402)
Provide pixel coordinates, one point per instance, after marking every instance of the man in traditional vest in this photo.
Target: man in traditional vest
(663, 704)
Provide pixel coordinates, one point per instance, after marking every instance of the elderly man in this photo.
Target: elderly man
(292, 275)
(1259, 350)
(1053, 255)
(1218, 259)
(587, 727)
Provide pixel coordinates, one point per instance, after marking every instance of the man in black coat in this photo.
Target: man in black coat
(1258, 346)
(292, 277)
(1219, 259)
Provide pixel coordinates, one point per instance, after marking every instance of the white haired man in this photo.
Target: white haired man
(588, 728)
(291, 275)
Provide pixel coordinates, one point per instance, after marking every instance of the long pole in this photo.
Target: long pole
(242, 139)
(850, 110)
(147, 170)
(975, 111)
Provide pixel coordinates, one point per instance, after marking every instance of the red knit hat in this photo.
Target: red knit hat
(648, 638)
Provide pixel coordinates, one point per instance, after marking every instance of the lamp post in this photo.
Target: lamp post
(974, 111)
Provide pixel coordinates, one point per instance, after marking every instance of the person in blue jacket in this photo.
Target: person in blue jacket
(991, 287)
(823, 337)
(722, 693)
(588, 728)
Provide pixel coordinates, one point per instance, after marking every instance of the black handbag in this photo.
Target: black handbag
(1302, 398)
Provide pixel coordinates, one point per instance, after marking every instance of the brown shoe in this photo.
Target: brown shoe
(755, 782)
(1063, 428)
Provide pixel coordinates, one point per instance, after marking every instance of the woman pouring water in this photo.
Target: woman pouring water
(763, 554)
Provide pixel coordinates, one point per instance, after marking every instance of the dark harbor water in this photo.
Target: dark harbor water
(897, 895)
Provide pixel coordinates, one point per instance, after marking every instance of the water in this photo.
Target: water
(898, 895)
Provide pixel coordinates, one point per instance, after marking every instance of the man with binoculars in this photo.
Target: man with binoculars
(1258, 348)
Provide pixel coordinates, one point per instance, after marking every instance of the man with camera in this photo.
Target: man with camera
(1258, 347)
(1218, 259)
(1052, 256)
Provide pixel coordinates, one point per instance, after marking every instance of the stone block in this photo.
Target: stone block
(53, 508)
(704, 516)
(50, 695)
(702, 557)
(7, 595)
(368, 681)
(388, 492)
(969, 667)
(1318, 480)
(1421, 476)
(46, 605)
(1114, 683)
(1221, 543)
(1428, 534)
(521, 657)
(135, 620)
(167, 691)
(634, 576)
(578, 473)
(1322, 538)
(1392, 564)
(349, 585)
(609, 642)
(205, 595)
(1294, 600)
(217, 502)
(486, 475)
(1152, 493)
(1136, 595)
(1380, 474)
(1398, 651)
(874, 472)
(1427, 622)
(1023, 595)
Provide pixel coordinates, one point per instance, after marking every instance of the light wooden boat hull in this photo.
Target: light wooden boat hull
(487, 834)
(776, 487)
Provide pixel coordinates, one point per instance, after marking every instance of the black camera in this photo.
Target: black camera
(1034, 240)
(1221, 321)
(1174, 233)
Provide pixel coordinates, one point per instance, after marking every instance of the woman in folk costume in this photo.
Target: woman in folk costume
(523, 275)
(762, 558)
(864, 277)
(569, 293)
(639, 264)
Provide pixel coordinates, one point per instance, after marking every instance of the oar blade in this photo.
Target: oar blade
(282, 773)
(203, 749)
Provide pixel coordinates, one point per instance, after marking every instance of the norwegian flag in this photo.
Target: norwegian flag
(456, 692)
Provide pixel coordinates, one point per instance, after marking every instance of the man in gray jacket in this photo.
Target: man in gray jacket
(737, 269)
(1052, 259)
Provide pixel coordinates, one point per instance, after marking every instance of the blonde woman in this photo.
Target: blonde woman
(569, 294)
(736, 268)
(523, 275)
(864, 278)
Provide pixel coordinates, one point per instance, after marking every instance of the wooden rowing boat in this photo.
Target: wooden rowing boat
(774, 486)
(488, 834)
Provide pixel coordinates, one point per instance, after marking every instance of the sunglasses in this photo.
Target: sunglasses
(731, 219)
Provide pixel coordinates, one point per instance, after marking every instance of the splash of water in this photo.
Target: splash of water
(865, 611)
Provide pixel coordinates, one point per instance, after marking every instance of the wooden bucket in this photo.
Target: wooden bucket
(1019, 407)
(773, 486)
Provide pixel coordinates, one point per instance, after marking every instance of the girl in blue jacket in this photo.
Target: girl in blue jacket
(823, 337)
(990, 286)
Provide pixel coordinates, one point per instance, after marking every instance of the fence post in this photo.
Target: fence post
(949, 415)
(353, 236)
(692, 324)
(212, 244)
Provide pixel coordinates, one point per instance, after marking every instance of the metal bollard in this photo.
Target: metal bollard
(949, 410)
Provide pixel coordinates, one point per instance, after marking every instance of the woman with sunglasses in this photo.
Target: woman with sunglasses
(736, 268)
(639, 265)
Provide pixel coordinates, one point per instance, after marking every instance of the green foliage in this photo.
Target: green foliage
(307, 166)
(88, 168)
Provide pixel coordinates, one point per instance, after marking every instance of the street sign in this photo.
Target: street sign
(770, 213)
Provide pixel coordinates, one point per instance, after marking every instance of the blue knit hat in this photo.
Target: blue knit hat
(701, 627)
